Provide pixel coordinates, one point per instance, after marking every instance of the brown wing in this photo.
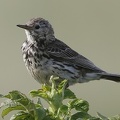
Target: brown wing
(60, 51)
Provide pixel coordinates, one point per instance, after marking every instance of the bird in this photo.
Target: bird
(44, 56)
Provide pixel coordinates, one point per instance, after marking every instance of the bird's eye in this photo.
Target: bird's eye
(44, 23)
(37, 27)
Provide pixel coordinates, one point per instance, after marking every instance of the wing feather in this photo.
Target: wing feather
(59, 50)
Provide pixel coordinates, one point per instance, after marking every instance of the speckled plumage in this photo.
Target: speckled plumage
(44, 55)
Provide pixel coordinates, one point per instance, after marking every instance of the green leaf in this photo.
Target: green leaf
(46, 88)
(7, 103)
(9, 109)
(49, 117)
(18, 97)
(117, 117)
(22, 116)
(39, 93)
(62, 84)
(79, 105)
(81, 116)
(102, 117)
(68, 94)
(40, 113)
(64, 108)
(11, 105)
(54, 95)
(14, 95)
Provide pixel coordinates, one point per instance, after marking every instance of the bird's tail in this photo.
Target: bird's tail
(109, 76)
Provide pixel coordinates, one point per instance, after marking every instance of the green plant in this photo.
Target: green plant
(27, 109)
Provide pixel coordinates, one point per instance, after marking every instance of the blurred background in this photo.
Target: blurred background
(91, 27)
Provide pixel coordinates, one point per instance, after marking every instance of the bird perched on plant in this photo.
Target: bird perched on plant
(44, 55)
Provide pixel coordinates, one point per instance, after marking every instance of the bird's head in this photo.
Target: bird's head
(38, 28)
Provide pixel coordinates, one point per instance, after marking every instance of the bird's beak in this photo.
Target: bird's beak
(25, 27)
